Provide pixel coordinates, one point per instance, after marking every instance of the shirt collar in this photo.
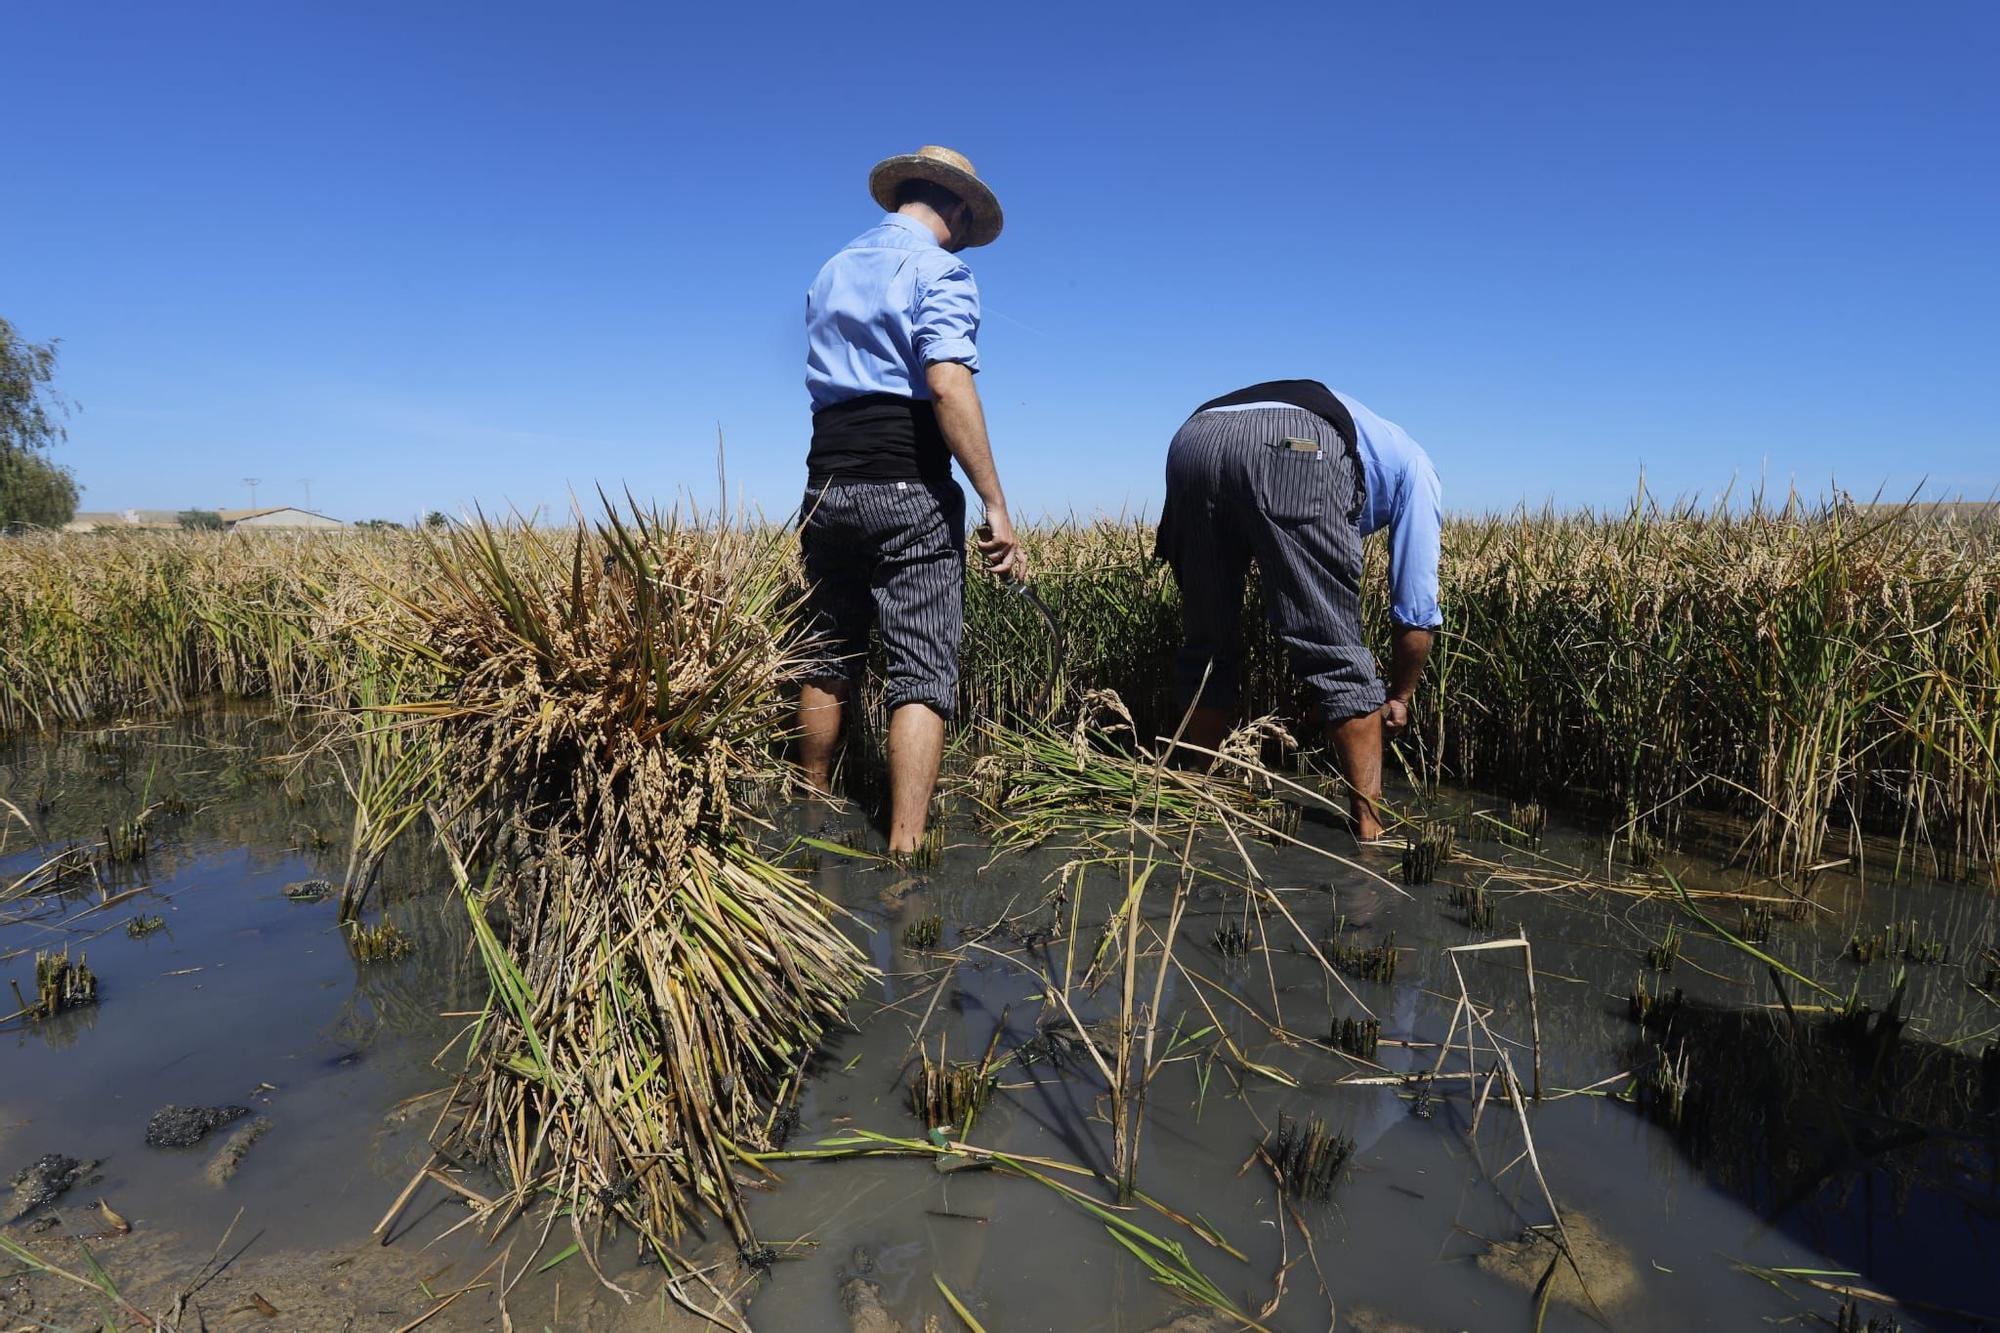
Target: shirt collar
(911, 225)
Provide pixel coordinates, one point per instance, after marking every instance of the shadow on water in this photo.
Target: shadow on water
(1873, 1146)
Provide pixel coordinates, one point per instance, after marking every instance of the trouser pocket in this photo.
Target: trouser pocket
(1291, 479)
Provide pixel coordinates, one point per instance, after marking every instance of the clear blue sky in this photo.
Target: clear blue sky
(427, 254)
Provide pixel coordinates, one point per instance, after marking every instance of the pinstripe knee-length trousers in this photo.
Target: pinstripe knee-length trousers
(887, 555)
(1277, 485)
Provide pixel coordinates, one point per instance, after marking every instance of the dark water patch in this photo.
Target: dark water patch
(1878, 1148)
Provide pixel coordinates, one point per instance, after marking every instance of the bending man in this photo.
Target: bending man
(890, 328)
(1294, 475)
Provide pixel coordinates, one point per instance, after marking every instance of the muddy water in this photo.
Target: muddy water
(241, 997)
(248, 998)
(1672, 1218)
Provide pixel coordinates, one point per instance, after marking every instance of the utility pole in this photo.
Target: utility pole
(307, 482)
(251, 482)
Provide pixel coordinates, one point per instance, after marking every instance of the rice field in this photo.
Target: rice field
(1820, 674)
(586, 726)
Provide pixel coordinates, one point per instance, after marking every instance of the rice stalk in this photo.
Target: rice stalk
(602, 698)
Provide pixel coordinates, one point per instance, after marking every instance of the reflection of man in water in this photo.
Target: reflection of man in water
(890, 326)
(1294, 475)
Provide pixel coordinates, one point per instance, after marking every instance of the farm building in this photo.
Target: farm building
(273, 518)
(124, 520)
(283, 516)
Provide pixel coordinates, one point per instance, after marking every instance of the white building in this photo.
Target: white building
(283, 516)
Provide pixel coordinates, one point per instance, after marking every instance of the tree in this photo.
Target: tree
(29, 410)
(435, 519)
(32, 489)
(34, 492)
(200, 520)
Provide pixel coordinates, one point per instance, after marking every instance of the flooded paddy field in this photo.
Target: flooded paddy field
(1747, 1125)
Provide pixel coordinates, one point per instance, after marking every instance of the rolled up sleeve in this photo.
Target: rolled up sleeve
(945, 322)
(1414, 542)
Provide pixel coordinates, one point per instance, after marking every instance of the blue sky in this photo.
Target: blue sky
(427, 254)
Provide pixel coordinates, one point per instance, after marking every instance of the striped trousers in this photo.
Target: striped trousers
(887, 555)
(1277, 485)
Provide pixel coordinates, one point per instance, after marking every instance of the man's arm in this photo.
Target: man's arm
(963, 422)
(1414, 542)
(1411, 649)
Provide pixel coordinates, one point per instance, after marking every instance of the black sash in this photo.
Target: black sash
(1311, 395)
(877, 437)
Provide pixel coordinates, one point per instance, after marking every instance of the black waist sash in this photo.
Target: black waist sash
(1310, 395)
(877, 437)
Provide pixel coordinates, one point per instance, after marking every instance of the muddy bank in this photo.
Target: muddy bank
(362, 1287)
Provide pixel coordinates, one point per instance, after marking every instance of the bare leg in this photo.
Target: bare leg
(1357, 746)
(1206, 727)
(916, 745)
(819, 730)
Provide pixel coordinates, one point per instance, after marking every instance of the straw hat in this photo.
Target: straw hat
(940, 166)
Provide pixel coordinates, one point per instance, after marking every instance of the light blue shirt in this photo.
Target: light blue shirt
(1403, 495)
(891, 304)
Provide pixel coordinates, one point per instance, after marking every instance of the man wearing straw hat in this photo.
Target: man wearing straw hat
(891, 323)
(1294, 475)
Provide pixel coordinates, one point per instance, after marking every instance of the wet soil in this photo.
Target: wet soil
(185, 1126)
(248, 998)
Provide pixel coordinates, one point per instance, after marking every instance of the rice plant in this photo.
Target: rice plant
(1038, 785)
(1230, 940)
(1370, 962)
(60, 984)
(603, 697)
(1525, 824)
(1667, 1085)
(1910, 942)
(1306, 1157)
(1471, 901)
(1645, 1007)
(127, 841)
(1357, 1036)
(1662, 956)
(1429, 847)
(923, 933)
(1640, 847)
(380, 943)
(949, 1095)
(927, 852)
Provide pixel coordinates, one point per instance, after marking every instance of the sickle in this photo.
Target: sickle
(1056, 637)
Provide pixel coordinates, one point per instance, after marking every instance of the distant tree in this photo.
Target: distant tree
(32, 489)
(435, 519)
(30, 411)
(203, 520)
(34, 492)
(379, 523)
